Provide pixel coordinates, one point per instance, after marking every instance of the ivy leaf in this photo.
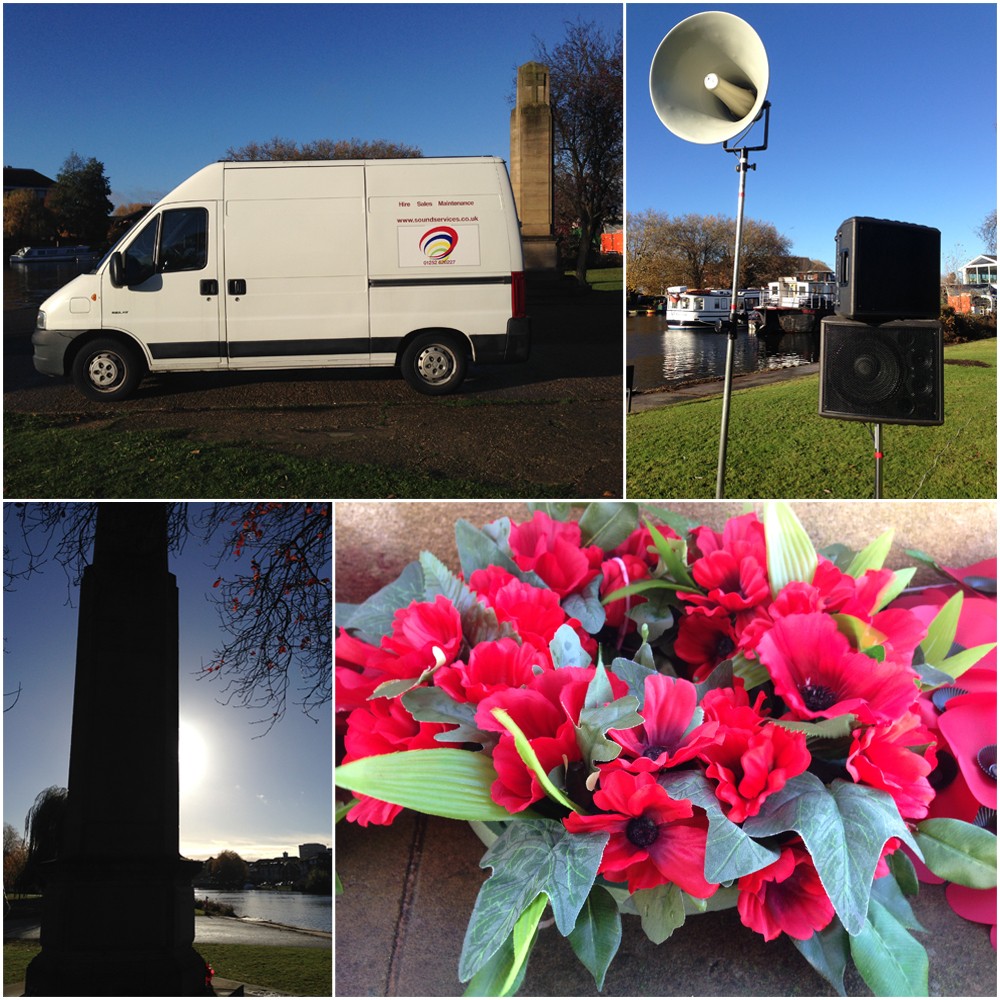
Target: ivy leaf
(599, 714)
(477, 550)
(451, 783)
(586, 606)
(729, 851)
(844, 828)
(597, 934)
(566, 648)
(608, 524)
(530, 857)
(959, 852)
(432, 704)
(503, 974)
(661, 911)
(372, 620)
(891, 961)
(790, 552)
(827, 952)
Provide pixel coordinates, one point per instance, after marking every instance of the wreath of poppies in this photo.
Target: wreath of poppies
(641, 715)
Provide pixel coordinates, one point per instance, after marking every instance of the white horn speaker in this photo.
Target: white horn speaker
(708, 79)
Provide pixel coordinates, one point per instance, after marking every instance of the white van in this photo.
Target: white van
(304, 264)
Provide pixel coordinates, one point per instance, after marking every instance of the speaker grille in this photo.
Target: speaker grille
(884, 374)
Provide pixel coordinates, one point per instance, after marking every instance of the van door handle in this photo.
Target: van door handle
(209, 286)
(237, 286)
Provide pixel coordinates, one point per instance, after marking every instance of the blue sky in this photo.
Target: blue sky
(156, 91)
(883, 110)
(259, 797)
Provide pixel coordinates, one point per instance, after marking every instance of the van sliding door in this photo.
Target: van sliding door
(296, 288)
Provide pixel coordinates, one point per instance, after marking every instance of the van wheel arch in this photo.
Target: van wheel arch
(106, 365)
(434, 361)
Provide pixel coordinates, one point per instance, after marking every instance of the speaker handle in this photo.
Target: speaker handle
(765, 113)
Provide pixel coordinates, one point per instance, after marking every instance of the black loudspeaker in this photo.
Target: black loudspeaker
(887, 270)
(886, 374)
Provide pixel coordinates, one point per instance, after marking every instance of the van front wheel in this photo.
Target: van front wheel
(434, 363)
(108, 369)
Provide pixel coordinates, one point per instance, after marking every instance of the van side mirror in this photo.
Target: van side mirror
(116, 270)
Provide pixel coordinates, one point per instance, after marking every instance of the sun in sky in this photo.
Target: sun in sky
(193, 758)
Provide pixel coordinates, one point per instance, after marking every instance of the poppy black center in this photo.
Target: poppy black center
(817, 697)
(724, 646)
(652, 752)
(642, 831)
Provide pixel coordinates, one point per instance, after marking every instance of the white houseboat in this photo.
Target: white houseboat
(796, 304)
(700, 308)
(54, 255)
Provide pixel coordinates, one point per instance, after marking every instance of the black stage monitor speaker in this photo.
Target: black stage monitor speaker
(888, 270)
(886, 374)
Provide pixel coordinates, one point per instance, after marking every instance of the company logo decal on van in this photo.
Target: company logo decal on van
(439, 243)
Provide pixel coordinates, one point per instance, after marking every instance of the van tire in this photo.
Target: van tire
(108, 369)
(434, 363)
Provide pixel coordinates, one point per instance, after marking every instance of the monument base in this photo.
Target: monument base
(540, 254)
(111, 927)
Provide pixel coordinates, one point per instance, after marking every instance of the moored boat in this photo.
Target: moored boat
(54, 255)
(700, 308)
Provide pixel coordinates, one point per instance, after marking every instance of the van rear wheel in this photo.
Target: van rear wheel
(434, 363)
(108, 369)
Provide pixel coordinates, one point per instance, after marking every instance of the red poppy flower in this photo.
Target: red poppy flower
(662, 740)
(492, 666)
(421, 626)
(818, 675)
(382, 726)
(553, 550)
(654, 839)
(705, 637)
(786, 896)
(619, 572)
(896, 758)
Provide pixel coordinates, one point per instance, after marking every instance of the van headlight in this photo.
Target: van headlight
(40, 321)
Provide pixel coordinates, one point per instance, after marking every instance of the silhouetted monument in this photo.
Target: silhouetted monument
(118, 908)
(531, 166)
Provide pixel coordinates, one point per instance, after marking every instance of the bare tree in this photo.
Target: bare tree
(322, 149)
(273, 591)
(987, 232)
(586, 92)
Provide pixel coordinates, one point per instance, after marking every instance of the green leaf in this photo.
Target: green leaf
(790, 552)
(608, 524)
(872, 556)
(373, 619)
(959, 852)
(825, 729)
(634, 675)
(904, 872)
(941, 631)
(527, 754)
(956, 665)
(586, 606)
(479, 622)
(532, 857)
(889, 894)
(891, 961)
(729, 851)
(503, 974)
(899, 582)
(597, 934)
(673, 552)
(661, 910)
(827, 952)
(558, 510)
(656, 613)
(450, 783)
(844, 828)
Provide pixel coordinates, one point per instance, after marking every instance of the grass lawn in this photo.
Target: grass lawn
(303, 972)
(602, 279)
(44, 458)
(779, 446)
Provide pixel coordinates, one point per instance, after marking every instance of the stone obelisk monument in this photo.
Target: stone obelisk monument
(118, 908)
(531, 147)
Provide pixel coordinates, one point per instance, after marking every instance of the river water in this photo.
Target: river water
(295, 909)
(30, 284)
(668, 356)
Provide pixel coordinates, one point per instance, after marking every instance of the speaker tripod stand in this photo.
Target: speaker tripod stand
(727, 389)
(877, 441)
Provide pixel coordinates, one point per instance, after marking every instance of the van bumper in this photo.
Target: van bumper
(50, 348)
(505, 348)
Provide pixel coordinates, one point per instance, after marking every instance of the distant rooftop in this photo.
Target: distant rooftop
(21, 177)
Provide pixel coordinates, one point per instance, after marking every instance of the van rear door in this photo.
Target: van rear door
(296, 276)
